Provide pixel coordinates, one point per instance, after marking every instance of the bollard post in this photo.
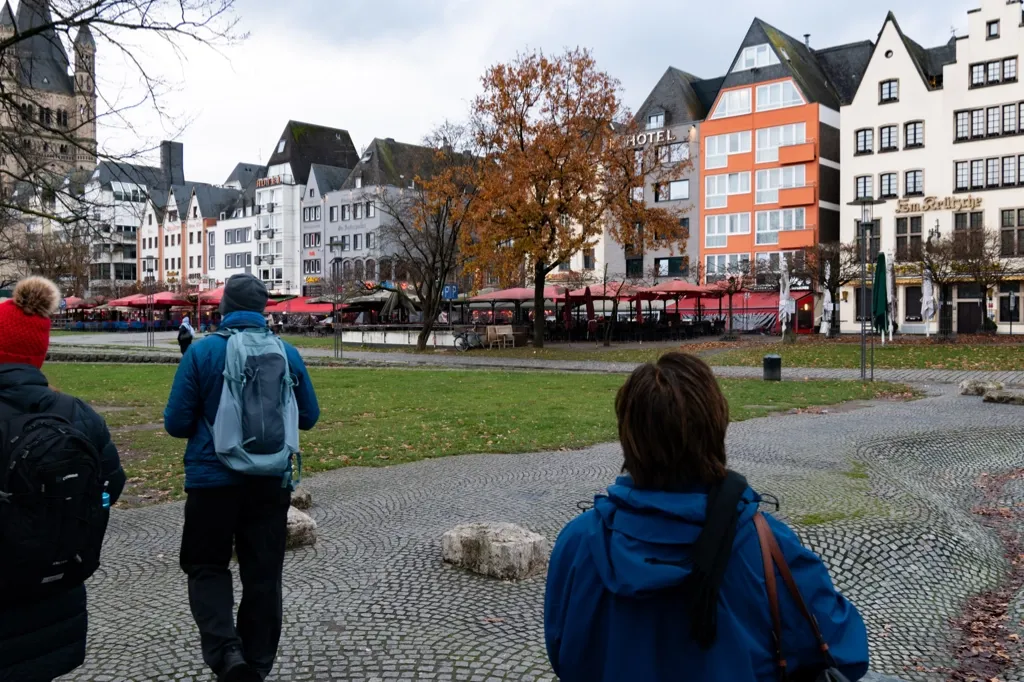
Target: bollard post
(772, 368)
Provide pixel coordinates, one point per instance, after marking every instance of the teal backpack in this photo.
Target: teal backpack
(256, 431)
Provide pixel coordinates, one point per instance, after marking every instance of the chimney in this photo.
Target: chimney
(172, 162)
(807, 40)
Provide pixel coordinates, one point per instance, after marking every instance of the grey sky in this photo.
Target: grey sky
(395, 68)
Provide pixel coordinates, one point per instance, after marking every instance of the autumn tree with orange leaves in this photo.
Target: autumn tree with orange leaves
(423, 224)
(559, 170)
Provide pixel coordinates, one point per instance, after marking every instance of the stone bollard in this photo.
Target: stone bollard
(976, 387)
(302, 499)
(772, 365)
(499, 550)
(301, 529)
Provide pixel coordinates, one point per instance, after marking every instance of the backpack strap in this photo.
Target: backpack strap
(773, 558)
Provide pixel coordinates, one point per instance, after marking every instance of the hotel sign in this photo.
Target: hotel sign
(312, 280)
(651, 137)
(967, 203)
(269, 182)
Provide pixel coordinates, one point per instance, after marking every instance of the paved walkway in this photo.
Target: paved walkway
(373, 601)
(134, 342)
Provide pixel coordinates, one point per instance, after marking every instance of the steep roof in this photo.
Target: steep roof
(707, 91)
(7, 16)
(214, 200)
(676, 94)
(328, 178)
(796, 61)
(306, 144)
(845, 66)
(245, 173)
(84, 38)
(928, 62)
(386, 162)
(43, 62)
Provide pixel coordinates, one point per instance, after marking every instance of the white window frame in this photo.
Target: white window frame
(770, 139)
(725, 261)
(733, 103)
(732, 183)
(770, 223)
(717, 228)
(778, 96)
(718, 148)
(656, 121)
(771, 180)
(756, 57)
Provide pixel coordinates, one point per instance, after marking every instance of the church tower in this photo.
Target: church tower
(85, 97)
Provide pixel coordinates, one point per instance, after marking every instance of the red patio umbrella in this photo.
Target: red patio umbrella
(127, 301)
(75, 303)
(302, 306)
(605, 292)
(639, 311)
(164, 299)
(212, 297)
(567, 312)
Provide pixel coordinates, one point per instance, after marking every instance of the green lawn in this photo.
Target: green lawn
(378, 417)
(831, 355)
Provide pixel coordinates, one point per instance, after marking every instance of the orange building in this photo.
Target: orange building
(770, 157)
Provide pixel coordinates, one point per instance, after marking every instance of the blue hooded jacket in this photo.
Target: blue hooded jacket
(195, 396)
(611, 614)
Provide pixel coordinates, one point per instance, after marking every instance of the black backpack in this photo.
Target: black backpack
(52, 513)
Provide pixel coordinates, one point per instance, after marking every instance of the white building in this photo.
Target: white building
(278, 234)
(939, 134)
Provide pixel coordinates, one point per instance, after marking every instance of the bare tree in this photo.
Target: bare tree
(61, 256)
(424, 224)
(941, 261)
(51, 104)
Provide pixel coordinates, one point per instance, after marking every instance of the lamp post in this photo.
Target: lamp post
(148, 282)
(866, 225)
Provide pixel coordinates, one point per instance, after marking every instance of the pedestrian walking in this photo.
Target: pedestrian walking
(59, 475)
(676, 574)
(186, 334)
(239, 397)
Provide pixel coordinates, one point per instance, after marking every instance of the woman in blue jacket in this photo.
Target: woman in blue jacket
(637, 592)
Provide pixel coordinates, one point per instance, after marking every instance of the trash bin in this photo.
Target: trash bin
(773, 368)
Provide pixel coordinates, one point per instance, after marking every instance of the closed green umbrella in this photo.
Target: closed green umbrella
(880, 296)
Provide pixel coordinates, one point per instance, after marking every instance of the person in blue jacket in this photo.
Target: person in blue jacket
(637, 590)
(228, 511)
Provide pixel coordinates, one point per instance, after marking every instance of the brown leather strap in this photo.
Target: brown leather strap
(767, 538)
(764, 534)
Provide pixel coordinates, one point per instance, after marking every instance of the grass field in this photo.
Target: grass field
(996, 357)
(374, 417)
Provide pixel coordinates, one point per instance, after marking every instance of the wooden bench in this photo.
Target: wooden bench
(499, 336)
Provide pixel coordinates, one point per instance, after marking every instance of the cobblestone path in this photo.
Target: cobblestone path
(884, 493)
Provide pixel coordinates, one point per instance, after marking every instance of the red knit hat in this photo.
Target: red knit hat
(25, 322)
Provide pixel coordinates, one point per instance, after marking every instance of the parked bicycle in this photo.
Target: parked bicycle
(468, 339)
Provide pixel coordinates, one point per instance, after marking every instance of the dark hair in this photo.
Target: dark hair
(672, 422)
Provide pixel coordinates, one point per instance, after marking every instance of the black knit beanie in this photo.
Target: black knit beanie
(244, 293)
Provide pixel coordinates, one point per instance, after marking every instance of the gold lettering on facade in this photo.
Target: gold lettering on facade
(928, 204)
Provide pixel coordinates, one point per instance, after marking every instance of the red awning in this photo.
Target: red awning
(75, 303)
(600, 292)
(164, 299)
(766, 301)
(302, 306)
(520, 294)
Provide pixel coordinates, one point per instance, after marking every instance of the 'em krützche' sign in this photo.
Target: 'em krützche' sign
(967, 203)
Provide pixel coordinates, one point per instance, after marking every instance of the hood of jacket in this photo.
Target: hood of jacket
(644, 539)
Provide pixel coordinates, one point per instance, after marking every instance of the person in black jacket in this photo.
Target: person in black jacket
(44, 639)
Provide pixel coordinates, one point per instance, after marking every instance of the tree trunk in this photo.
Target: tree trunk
(539, 318)
(430, 312)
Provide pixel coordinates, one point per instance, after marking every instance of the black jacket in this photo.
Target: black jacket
(46, 639)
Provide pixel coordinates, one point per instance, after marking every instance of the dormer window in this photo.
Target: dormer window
(656, 121)
(280, 147)
(359, 183)
(992, 30)
(756, 57)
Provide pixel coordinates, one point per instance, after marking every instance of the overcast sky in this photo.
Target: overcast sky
(395, 68)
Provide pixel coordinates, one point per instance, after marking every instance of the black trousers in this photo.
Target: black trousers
(184, 343)
(253, 518)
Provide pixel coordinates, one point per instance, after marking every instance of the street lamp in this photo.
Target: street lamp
(148, 283)
(866, 225)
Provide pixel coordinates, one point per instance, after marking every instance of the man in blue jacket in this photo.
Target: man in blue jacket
(663, 579)
(227, 510)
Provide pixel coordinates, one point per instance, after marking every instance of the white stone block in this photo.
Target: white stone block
(499, 550)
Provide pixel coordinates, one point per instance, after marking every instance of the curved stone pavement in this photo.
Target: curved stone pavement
(372, 600)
